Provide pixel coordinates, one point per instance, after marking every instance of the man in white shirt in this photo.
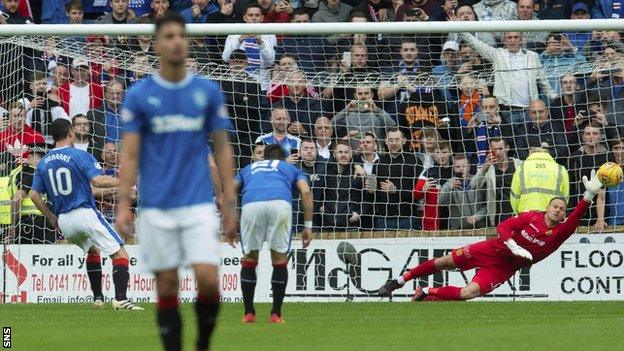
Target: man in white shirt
(323, 135)
(260, 49)
(517, 74)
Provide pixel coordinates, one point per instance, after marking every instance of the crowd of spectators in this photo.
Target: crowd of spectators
(383, 148)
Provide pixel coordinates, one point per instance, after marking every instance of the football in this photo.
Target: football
(610, 174)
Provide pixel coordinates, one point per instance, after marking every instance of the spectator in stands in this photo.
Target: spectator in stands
(32, 226)
(601, 41)
(517, 73)
(607, 9)
(526, 12)
(362, 115)
(542, 128)
(314, 167)
(106, 197)
(615, 195)
(426, 146)
(537, 180)
(310, 51)
(559, 53)
(257, 153)
(393, 182)
(609, 114)
(591, 155)
(280, 119)
(376, 10)
(59, 77)
(80, 95)
(464, 198)
(244, 100)
(41, 110)
(284, 68)
(398, 88)
(565, 107)
(278, 12)
(367, 155)
(580, 11)
(323, 133)
(427, 188)
(228, 12)
(342, 191)
(408, 64)
(13, 15)
(159, 8)
(18, 133)
(496, 177)
(366, 159)
(114, 97)
(427, 10)
(84, 137)
(445, 72)
(259, 49)
(332, 11)
(74, 11)
(495, 10)
(377, 46)
(198, 13)
(302, 104)
(550, 10)
(470, 61)
(467, 13)
(119, 14)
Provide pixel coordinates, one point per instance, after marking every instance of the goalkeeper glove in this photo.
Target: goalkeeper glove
(518, 250)
(592, 186)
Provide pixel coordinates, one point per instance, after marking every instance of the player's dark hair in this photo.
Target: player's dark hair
(274, 152)
(60, 129)
(167, 18)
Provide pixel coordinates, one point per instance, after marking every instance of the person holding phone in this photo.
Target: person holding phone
(275, 12)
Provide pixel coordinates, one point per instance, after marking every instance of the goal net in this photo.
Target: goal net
(411, 131)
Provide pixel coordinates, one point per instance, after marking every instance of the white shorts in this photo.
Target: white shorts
(269, 221)
(86, 227)
(182, 236)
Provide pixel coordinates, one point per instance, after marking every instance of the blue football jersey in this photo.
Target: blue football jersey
(64, 175)
(269, 180)
(173, 120)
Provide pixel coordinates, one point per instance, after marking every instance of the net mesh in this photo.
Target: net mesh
(411, 133)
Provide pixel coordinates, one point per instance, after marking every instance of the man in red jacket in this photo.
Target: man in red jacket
(522, 241)
(80, 95)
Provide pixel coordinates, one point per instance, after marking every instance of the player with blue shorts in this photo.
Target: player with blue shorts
(66, 175)
(167, 117)
(266, 215)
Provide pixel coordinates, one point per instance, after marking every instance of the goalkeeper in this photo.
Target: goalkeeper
(522, 241)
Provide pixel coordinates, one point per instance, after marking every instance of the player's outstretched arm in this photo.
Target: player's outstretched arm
(223, 156)
(104, 181)
(127, 179)
(308, 211)
(41, 205)
(592, 186)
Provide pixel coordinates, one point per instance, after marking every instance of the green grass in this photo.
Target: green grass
(336, 326)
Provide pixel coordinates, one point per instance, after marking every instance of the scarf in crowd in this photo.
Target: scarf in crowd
(468, 106)
(252, 50)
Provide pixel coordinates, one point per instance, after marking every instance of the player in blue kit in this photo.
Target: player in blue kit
(267, 216)
(66, 175)
(166, 118)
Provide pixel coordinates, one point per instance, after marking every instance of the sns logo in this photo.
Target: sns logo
(20, 272)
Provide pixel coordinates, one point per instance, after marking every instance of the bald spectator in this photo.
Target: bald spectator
(517, 74)
(542, 128)
(280, 135)
(323, 133)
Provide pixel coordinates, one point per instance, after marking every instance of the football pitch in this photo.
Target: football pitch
(334, 326)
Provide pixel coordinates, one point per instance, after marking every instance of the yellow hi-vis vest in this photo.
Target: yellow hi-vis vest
(5, 201)
(536, 182)
(28, 206)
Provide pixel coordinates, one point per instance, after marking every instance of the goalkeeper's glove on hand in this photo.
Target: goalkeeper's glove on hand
(592, 186)
(518, 250)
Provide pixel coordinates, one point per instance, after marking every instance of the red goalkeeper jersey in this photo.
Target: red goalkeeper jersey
(529, 230)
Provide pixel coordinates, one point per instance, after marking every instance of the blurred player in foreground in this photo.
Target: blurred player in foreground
(522, 240)
(66, 175)
(266, 215)
(167, 117)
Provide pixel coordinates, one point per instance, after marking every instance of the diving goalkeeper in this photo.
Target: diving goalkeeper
(522, 241)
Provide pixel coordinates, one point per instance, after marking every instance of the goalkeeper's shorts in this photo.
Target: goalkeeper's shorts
(269, 221)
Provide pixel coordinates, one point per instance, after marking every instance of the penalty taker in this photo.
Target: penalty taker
(522, 241)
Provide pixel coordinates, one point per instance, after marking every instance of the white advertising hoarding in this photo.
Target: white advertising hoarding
(577, 271)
